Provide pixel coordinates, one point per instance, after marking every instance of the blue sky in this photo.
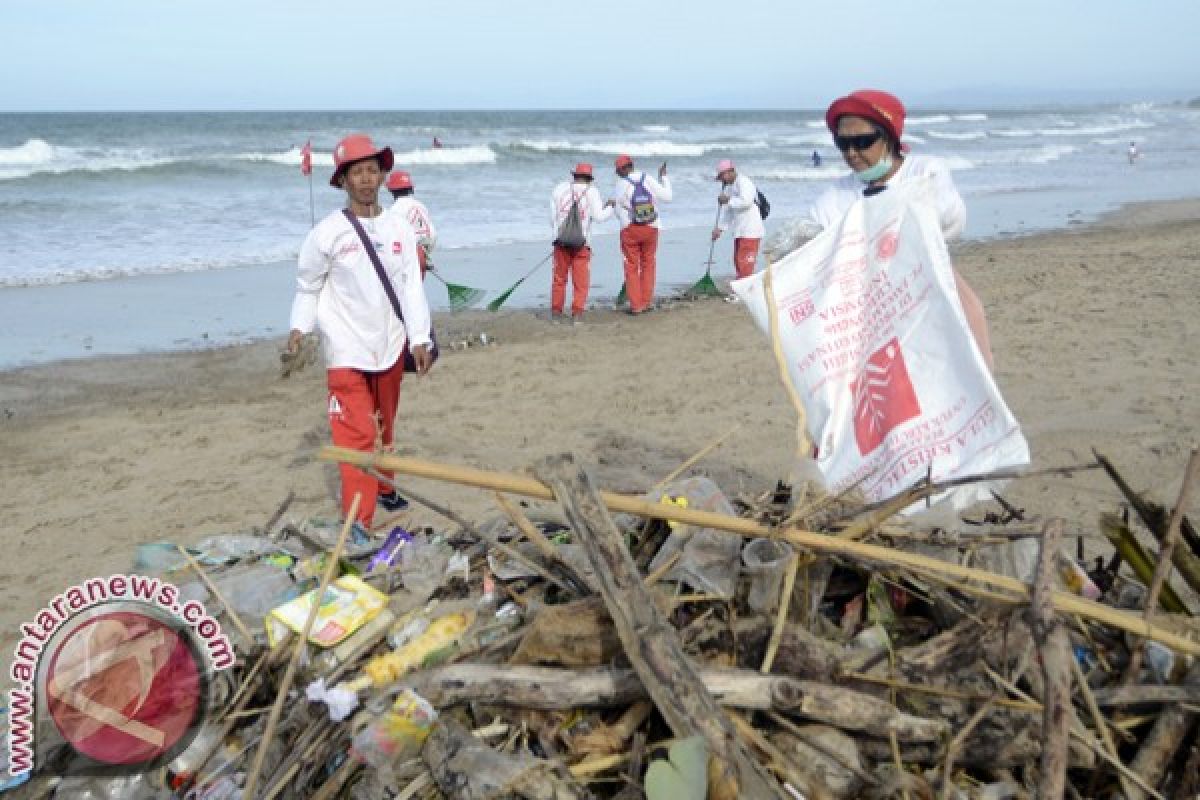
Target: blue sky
(271, 54)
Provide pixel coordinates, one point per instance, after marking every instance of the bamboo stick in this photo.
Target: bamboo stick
(713, 445)
(290, 675)
(1054, 650)
(789, 581)
(516, 484)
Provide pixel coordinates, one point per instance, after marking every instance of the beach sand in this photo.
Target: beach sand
(1094, 331)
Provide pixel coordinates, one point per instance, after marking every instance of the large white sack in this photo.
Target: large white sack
(878, 349)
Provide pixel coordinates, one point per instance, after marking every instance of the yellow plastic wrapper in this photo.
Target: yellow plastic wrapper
(347, 605)
(396, 734)
(441, 635)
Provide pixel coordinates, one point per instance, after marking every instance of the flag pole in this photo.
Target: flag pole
(312, 209)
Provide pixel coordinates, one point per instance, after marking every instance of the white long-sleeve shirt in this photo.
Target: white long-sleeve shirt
(740, 216)
(623, 195)
(418, 217)
(829, 208)
(591, 206)
(339, 293)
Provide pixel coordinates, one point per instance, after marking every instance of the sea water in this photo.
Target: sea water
(114, 204)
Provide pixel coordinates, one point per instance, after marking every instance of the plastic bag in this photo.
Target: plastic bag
(878, 348)
(710, 560)
(252, 591)
(396, 734)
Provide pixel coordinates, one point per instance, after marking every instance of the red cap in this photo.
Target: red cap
(724, 165)
(879, 107)
(399, 180)
(582, 168)
(624, 161)
(358, 147)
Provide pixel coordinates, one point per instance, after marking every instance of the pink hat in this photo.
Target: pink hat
(358, 147)
(624, 161)
(724, 165)
(582, 168)
(399, 180)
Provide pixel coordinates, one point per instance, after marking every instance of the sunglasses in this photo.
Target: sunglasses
(859, 142)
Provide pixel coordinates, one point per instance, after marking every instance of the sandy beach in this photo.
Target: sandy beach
(1093, 329)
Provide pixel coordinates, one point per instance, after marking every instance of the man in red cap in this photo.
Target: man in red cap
(400, 184)
(740, 212)
(340, 293)
(636, 198)
(867, 126)
(574, 257)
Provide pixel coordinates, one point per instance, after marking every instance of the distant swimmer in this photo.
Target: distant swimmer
(437, 143)
(816, 159)
(1133, 152)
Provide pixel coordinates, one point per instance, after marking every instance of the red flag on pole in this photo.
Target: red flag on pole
(306, 158)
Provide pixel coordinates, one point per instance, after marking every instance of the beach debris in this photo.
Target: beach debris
(684, 643)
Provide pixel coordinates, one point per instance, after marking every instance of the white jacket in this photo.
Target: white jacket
(591, 206)
(339, 292)
(623, 194)
(829, 208)
(418, 217)
(740, 216)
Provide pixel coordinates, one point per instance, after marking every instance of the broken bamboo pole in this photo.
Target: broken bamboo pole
(1054, 650)
(529, 487)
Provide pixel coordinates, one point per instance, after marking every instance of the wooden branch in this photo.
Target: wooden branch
(812, 540)
(549, 551)
(650, 642)
(1054, 647)
(1147, 695)
(1153, 516)
(1164, 739)
(467, 769)
(553, 689)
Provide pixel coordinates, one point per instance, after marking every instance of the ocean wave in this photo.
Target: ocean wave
(908, 138)
(473, 154)
(958, 163)
(965, 136)
(1037, 155)
(933, 119)
(658, 147)
(1013, 133)
(971, 117)
(289, 158)
(821, 138)
(274, 255)
(1096, 130)
(826, 173)
(37, 156)
(656, 128)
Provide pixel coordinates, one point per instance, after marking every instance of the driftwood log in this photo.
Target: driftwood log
(551, 689)
(651, 643)
(1164, 740)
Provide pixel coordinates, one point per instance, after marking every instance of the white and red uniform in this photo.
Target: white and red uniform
(574, 262)
(339, 293)
(417, 215)
(742, 218)
(639, 242)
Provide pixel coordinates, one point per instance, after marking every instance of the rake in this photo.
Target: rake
(622, 297)
(499, 301)
(460, 297)
(706, 287)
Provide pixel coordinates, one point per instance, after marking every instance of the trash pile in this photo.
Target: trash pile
(685, 645)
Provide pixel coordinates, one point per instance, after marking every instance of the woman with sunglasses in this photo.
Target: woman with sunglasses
(866, 127)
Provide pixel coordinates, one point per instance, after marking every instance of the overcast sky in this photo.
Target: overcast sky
(450, 54)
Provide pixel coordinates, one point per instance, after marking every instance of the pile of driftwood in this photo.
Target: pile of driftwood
(614, 646)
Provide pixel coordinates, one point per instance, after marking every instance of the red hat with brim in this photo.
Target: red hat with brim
(582, 169)
(882, 108)
(399, 180)
(354, 148)
(624, 161)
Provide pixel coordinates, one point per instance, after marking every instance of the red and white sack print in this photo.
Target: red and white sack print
(878, 348)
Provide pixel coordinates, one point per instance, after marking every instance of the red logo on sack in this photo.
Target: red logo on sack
(886, 247)
(883, 397)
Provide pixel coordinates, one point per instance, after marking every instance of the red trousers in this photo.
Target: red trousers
(578, 264)
(639, 246)
(745, 254)
(362, 416)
